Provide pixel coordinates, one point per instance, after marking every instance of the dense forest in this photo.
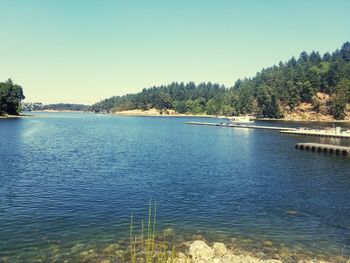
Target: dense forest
(38, 106)
(271, 93)
(11, 96)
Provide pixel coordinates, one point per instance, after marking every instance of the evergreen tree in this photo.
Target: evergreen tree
(339, 100)
(268, 102)
(345, 51)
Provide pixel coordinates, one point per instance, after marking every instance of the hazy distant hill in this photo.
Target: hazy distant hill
(66, 107)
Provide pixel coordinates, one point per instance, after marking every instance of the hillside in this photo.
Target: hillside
(309, 87)
(316, 111)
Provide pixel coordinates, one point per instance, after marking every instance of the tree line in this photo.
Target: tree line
(270, 93)
(11, 96)
(66, 106)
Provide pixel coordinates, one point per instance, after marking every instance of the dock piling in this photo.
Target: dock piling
(325, 148)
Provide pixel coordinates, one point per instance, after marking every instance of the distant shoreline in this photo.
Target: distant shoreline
(172, 113)
(79, 111)
(7, 116)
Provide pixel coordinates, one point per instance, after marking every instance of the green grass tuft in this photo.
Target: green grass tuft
(151, 248)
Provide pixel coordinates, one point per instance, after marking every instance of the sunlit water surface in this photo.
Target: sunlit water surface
(68, 178)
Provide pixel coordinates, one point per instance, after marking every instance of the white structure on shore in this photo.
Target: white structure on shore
(241, 120)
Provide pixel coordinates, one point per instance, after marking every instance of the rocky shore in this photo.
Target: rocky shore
(199, 251)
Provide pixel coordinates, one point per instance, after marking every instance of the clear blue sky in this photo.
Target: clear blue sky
(84, 51)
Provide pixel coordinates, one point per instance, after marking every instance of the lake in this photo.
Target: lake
(73, 178)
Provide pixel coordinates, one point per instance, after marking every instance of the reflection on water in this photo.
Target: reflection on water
(69, 179)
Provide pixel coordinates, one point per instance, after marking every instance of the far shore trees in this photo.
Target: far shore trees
(11, 96)
(270, 93)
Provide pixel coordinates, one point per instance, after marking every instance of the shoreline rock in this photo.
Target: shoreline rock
(201, 252)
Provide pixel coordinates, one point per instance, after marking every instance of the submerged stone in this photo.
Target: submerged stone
(197, 237)
(267, 243)
(111, 249)
(88, 256)
(77, 248)
(84, 253)
(169, 231)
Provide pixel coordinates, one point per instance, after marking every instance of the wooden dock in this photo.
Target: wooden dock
(317, 133)
(241, 126)
(325, 148)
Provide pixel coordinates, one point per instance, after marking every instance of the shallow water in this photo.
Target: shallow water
(69, 178)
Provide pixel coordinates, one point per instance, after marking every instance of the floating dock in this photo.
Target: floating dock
(282, 130)
(242, 126)
(317, 133)
(325, 148)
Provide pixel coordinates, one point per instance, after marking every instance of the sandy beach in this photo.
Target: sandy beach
(161, 113)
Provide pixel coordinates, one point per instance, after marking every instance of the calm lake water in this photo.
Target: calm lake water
(68, 178)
